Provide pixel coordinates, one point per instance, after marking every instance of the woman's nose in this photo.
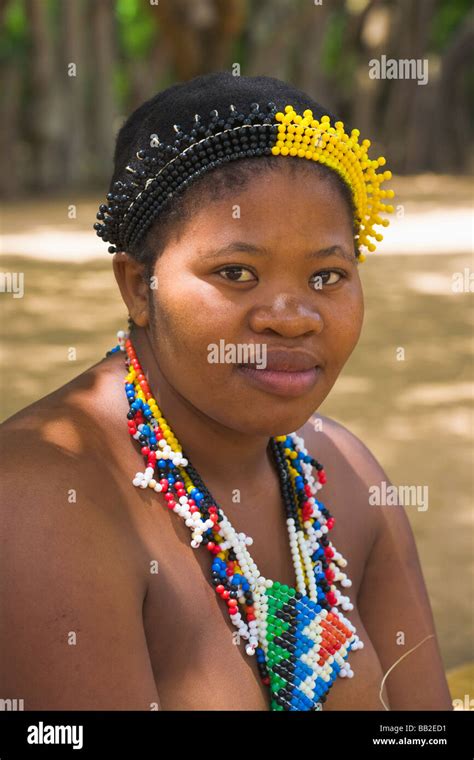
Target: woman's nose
(288, 316)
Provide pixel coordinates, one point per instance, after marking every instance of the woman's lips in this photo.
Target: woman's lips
(281, 382)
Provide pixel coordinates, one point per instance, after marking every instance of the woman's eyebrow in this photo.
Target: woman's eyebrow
(241, 247)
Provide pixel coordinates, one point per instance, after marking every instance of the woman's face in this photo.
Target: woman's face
(271, 290)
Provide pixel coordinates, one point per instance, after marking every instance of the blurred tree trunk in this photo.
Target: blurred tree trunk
(406, 111)
(103, 68)
(44, 110)
(10, 145)
(451, 145)
(270, 37)
(199, 35)
(73, 72)
(311, 29)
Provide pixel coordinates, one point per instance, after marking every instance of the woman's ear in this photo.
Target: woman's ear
(133, 287)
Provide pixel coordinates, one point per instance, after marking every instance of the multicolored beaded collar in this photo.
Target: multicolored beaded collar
(160, 171)
(300, 639)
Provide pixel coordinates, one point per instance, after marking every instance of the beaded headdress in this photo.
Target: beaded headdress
(160, 169)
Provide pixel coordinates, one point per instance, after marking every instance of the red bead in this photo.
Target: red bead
(220, 588)
(211, 546)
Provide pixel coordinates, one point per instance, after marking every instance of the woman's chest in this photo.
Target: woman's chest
(198, 657)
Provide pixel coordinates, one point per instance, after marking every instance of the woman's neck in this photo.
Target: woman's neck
(220, 454)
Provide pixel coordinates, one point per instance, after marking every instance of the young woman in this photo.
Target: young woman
(225, 556)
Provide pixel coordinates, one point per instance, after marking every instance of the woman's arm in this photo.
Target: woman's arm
(393, 601)
(394, 605)
(71, 633)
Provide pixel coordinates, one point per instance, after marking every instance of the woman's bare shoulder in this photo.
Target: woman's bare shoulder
(55, 453)
(335, 441)
(351, 471)
(67, 415)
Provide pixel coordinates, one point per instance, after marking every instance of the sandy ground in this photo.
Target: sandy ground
(416, 415)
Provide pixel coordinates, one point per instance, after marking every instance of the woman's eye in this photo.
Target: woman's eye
(320, 280)
(234, 274)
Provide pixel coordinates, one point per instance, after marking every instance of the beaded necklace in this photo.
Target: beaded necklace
(300, 639)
